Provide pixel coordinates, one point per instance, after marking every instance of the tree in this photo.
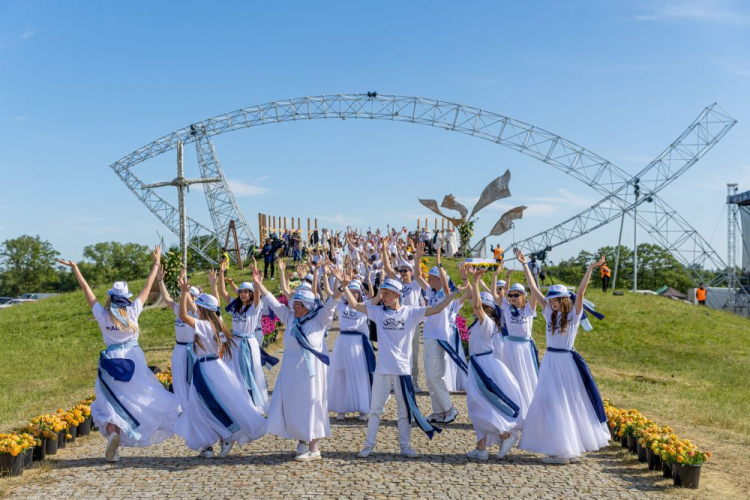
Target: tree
(27, 264)
(112, 261)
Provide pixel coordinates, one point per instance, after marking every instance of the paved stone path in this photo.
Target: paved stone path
(266, 469)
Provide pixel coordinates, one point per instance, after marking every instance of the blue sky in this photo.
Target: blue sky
(84, 84)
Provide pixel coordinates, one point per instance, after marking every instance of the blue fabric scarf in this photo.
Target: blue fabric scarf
(118, 370)
(453, 353)
(191, 358)
(588, 381)
(412, 410)
(118, 302)
(247, 368)
(494, 395)
(307, 349)
(208, 397)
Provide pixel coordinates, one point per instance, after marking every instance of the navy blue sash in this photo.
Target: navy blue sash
(267, 360)
(412, 410)
(490, 390)
(367, 348)
(120, 370)
(203, 387)
(190, 361)
(454, 356)
(307, 348)
(588, 382)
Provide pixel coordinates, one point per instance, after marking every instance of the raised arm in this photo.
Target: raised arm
(222, 290)
(90, 297)
(535, 292)
(163, 289)
(256, 293)
(443, 274)
(418, 267)
(212, 279)
(156, 254)
(387, 260)
(184, 292)
(282, 278)
(347, 294)
(585, 283)
(475, 276)
(432, 310)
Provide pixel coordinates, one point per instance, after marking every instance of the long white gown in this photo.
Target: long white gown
(561, 420)
(141, 407)
(517, 351)
(180, 359)
(488, 421)
(299, 405)
(198, 425)
(349, 388)
(245, 323)
(455, 378)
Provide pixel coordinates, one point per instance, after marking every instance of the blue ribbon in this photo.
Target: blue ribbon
(203, 388)
(367, 348)
(532, 348)
(412, 410)
(247, 369)
(454, 356)
(267, 360)
(307, 349)
(588, 381)
(120, 370)
(490, 390)
(120, 301)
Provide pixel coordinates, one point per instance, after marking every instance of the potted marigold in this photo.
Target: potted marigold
(84, 428)
(690, 460)
(51, 427)
(11, 454)
(654, 442)
(643, 428)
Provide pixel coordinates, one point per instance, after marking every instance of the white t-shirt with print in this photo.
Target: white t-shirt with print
(112, 331)
(437, 326)
(395, 333)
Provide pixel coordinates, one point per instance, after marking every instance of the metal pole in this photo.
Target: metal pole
(637, 192)
(617, 256)
(181, 203)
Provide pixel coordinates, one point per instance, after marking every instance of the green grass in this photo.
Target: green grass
(688, 365)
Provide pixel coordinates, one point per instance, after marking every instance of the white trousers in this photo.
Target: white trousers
(381, 389)
(415, 355)
(434, 370)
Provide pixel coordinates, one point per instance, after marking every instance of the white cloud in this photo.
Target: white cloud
(734, 66)
(716, 11)
(28, 33)
(341, 220)
(19, 118)
(241, 189)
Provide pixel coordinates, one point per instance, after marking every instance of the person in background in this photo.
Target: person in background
(534, 267)
(606, 275)
(497, 254)
(269, 256)
(700, 294)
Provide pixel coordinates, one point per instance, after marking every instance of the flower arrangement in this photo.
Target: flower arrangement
(15, 444)
(282, 298)
(49, 425)
(268, 325)
(165, 378)
(463, 330)
(486, 264)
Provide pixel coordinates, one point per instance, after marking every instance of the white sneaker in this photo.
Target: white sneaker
(340, 416)
(478, 454)
(409, 452)
(507, 445)
(301, 448)
(226, 447)
(113, 442)
(365, 452)
(207, 453)
(363, 416)
(435, 417)
(450, 415)
(308, 456)
(555, 460)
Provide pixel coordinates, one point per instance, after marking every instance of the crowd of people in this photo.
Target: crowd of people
(376, 286)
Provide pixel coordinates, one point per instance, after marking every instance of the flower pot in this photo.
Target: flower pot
(654, 460)
(632, 441)
(10, 465)
(690, 476)
(40, 452)
(641, 450)
(61, 441)
(666, 469)
(624, 441)
(85, 428)
(52, 445)
(28, 456)
(676, 471)
(73, 431)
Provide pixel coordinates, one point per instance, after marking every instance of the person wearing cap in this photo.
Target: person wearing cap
(353, 359)
(219, 407)
(493, 398)
(412, 296)
(395, 323)
(566, 416)
(132, 408)
(299, 406)
(182, 355)
(246, 311)
(436, 335)
(519, 352)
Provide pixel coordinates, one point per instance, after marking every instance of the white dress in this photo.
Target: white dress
(180, 359)
(299, 406)
(141, 407)
(518, 352)
(348, 379)
(455, 378)
(198, 425)
(244, 325)
(561, 420)
(488, 421)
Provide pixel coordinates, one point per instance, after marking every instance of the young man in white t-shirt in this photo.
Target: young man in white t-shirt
(436, 328)
(395, 324)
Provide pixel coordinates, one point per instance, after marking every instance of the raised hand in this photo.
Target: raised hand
(520, 256)
(212, 277)
(184, 284)
(67, 263)
(156, 254)
(282, 265)
(462, 270)
(160, 273)
(599, 262)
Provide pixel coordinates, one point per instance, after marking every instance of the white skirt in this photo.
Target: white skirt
(517, 356)
(260, 377)
(455, 378)
(198, 426)
(561, 420)
(144, 397)
(488, 421)
(179, 373)
(348, 380)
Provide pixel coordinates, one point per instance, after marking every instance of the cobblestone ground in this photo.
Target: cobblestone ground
(266, 469)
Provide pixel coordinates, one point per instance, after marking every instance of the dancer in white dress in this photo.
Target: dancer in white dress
(352, 361)
(519, 351)
(131, 408)
(218, 407)
(246, 312)
(299, 406)
(493, 398)
(566, 416)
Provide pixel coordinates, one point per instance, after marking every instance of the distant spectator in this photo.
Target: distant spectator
(606, 275)
(700, 294)
(534, 268)
(269, 256)
(497, 254)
